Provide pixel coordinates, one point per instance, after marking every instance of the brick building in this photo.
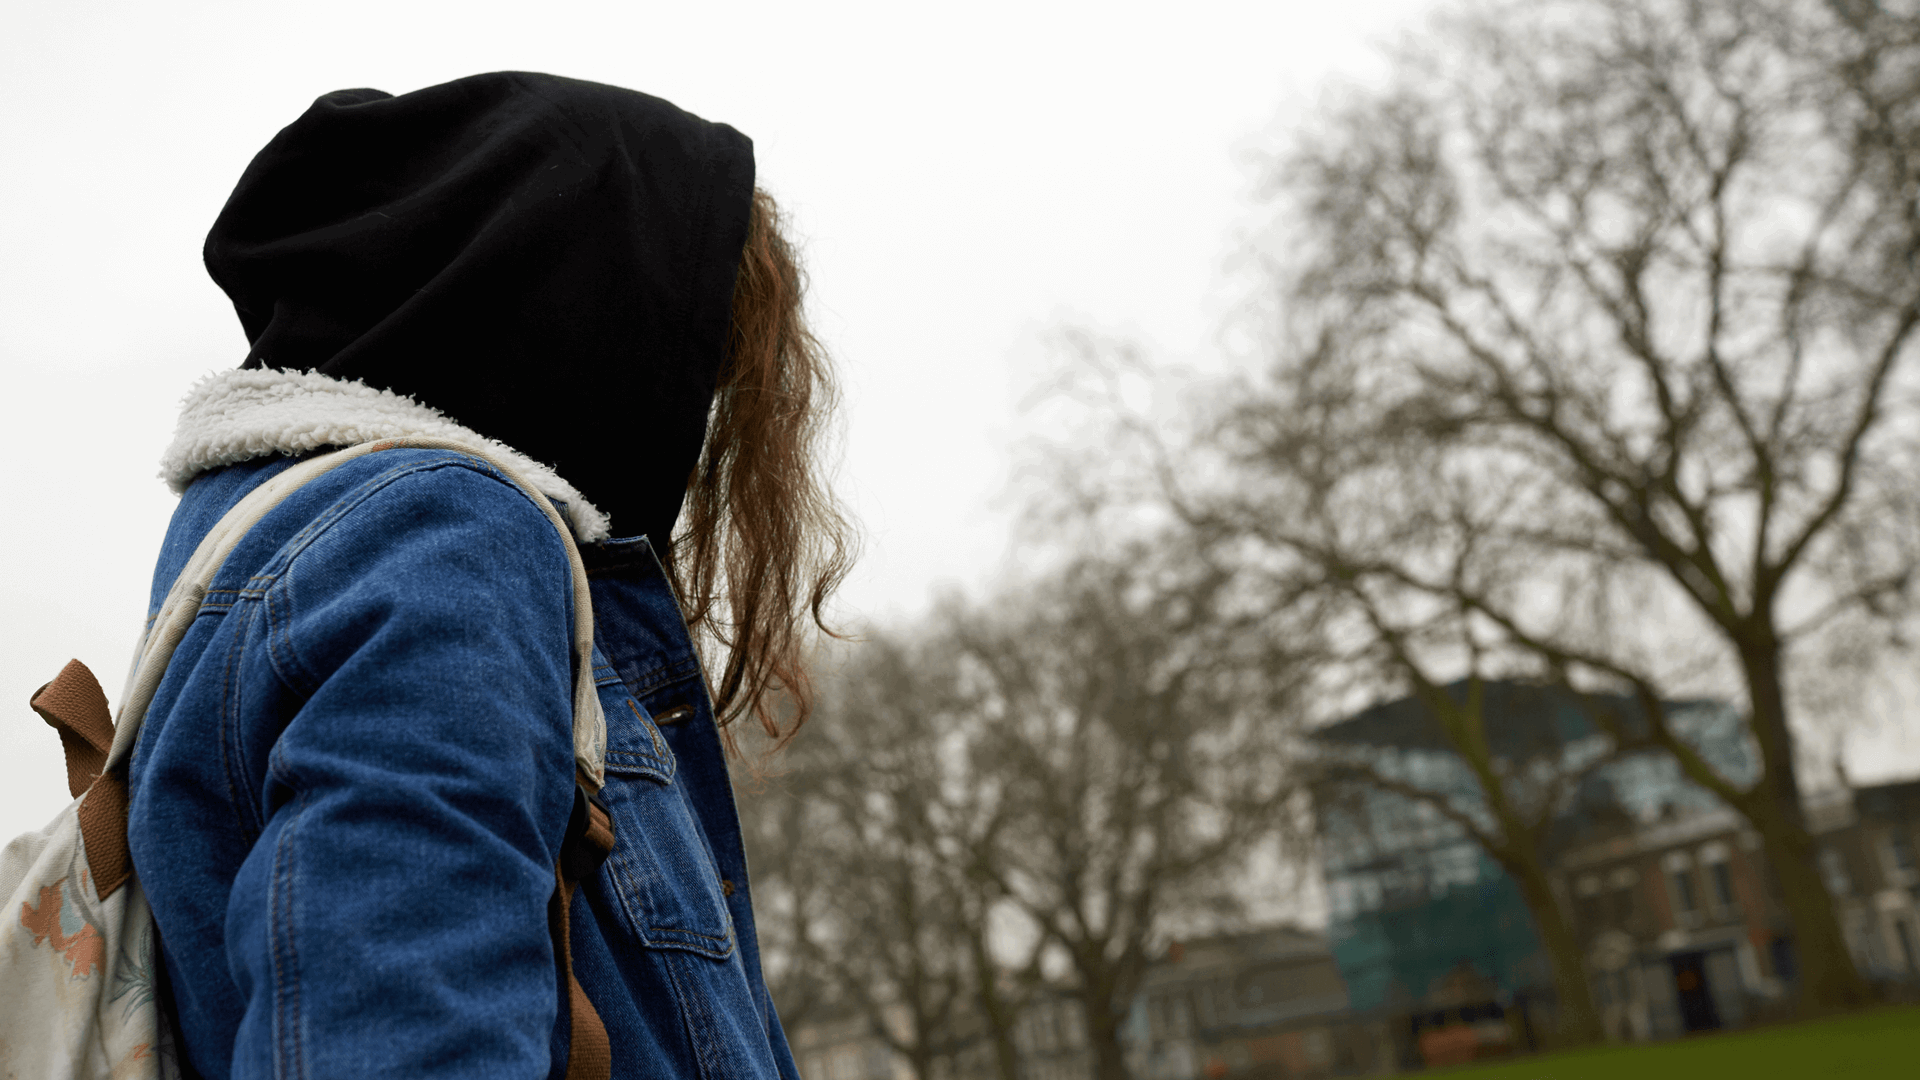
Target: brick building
(1683, 923)
(1682, 928)
(1868, 859)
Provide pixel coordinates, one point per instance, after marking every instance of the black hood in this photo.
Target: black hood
(547, 261)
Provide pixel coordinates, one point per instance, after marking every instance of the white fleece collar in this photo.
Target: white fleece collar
(237, 415)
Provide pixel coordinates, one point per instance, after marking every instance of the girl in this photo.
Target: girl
(353, 786)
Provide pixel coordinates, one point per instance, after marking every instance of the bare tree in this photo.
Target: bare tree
(868, 846)
(1630, 289)
(1053, 782)
(1353, 516)
(790, 890)
(1129, 731)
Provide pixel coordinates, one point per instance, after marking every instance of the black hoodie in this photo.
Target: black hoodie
(547, 261)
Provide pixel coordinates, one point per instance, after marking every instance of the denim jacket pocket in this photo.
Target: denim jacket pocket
(661, 870)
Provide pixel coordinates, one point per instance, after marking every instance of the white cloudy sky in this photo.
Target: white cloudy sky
(966, 177)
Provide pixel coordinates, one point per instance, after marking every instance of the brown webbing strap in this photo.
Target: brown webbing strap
(76, 707)
(588, 841)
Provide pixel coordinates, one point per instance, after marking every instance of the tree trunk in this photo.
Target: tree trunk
(920, 1062)
(1579, 1021)
(1103, 1032)
(1519, 855)
(1828, 980)
(994, 1008)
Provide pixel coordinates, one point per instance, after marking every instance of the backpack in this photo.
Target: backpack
(78, 969)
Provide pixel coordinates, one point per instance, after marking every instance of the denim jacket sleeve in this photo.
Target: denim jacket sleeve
(390, 918)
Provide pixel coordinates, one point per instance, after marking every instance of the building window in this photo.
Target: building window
(1721, 875)
(1622, 908)
(1714, 859)
(1686, 901)
(1683, 897)
(1167, 1016)
(1215, 1001)
(1899, 858)
(1833, 871)
(1681, 889)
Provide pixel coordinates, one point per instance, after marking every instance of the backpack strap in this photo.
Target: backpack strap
(588, 842)
(76, 707)
(98, 752)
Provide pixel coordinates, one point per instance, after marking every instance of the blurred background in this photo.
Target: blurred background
(1390, 530)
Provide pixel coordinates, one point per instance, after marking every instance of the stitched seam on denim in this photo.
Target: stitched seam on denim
(726, 939)
(627, 893)
(280, 636)
(661, 676)
(222, 735)
(686, 1020)
(248, 789)
(653, 733)
(626, 888)
(692, 1009)
(326, 518)
(278, 769)
(332, 515)
(662, 757)
(642, 770)
(631, 899)
(283, 563)
(251, 586)
(238, 595)
(286, 991)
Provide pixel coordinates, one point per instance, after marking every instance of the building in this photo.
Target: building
(1268, 1003)
(1683, 924)
(1050, 1036)
(1262, 1005)
(1682, 927)
(1868, 843)
(1421, 919)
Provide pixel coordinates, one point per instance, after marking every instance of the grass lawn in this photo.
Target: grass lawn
(1884, 1042)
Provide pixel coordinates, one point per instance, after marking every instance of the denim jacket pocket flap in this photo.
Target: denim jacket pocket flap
(635, 746)
(661, 871)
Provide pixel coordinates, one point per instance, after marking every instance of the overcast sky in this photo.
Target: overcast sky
(965, 179)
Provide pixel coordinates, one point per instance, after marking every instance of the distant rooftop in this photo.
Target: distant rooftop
(1897, 800)
(1523, 719)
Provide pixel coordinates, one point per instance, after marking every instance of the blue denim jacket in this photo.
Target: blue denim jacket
(354, 780)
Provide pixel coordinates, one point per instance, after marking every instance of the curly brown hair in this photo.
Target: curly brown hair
(762, 542)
